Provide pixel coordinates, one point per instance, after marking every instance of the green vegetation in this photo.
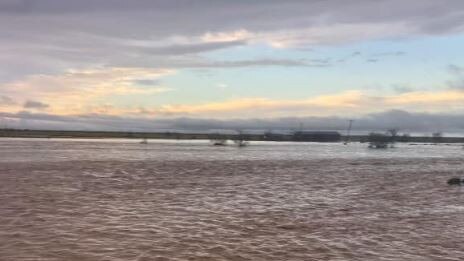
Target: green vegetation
(14, 133)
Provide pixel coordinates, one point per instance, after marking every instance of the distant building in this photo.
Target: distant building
(317, 136)
(272, 136)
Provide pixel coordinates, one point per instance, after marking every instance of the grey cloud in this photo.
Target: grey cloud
(259, 62)
(456, 84)
(372, 58)
(5, 100)
(428, 14)
(458, 73)
(147, 82)
(192, 48)
(454, 69)
(402, 120)
(134, 19)
(54, 60)
(418, 122)
(201, 63)
(35, 105)
(397, 53)
(349, 57)
(402, 89)
(48, 36)
(321, 61)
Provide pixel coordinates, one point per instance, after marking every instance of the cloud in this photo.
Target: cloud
(455, 69)
(257, 63)
(91, 91)
(402, 89)
(84, 57)
(202, 63)
(352, 102)
(182, 49)
(429, 98)
(397, 53)
(412, 121)
(458, 73)
(35, 105)
(98, 90)
(5, 101)
(81, 91)
(147, 82)
(51, 36)
(371, 58)
(381, 121)
(333, 34)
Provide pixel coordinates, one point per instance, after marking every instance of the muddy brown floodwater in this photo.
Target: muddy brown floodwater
(345, 208)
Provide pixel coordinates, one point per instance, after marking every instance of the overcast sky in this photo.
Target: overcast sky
(202, 64)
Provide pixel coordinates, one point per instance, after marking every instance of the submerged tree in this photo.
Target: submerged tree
(240, 139)
(217, 139)
(393, 134)
(378, 140)
(382, 140)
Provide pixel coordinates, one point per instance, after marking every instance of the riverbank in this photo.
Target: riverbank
(15, 133)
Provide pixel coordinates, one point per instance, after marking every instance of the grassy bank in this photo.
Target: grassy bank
(15, 133)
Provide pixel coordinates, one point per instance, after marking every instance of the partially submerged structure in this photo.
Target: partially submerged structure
(217, 139)
(240, 139)
(348, 133)
(219, 142)
(241, 143)
(456, 181)
(380, 140)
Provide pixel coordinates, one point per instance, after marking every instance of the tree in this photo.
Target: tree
(393, 134)
(378, 140)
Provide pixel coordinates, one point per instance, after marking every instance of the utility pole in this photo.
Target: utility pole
(348, 132)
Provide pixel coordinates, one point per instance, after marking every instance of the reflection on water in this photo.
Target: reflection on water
(120, 200)
(74, 149)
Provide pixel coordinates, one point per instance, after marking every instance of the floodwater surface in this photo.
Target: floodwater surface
(177, 200)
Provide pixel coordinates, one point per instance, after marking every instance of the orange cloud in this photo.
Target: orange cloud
(263, 107)
(89, 91)
(77, 91)
(438, 97)
(345, 103)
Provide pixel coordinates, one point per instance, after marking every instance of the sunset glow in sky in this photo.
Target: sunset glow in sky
(221, 59)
